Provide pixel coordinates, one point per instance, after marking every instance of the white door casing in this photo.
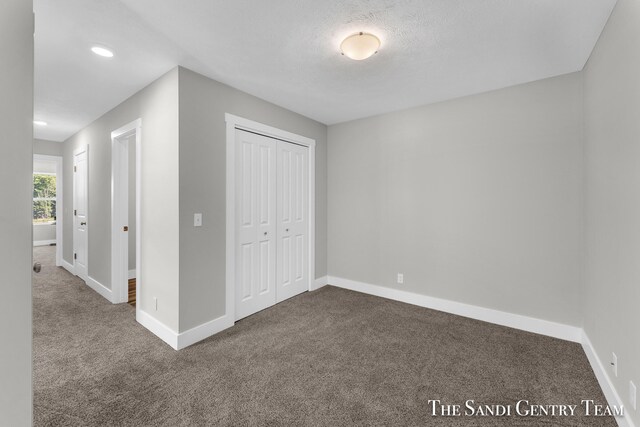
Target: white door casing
(81, 212)
(256, 223)
(293, 220)
(120, 139)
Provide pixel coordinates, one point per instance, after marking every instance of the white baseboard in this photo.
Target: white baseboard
(201, 332)
(161, 330)
(132, 274)
(44, 242)
(68, 266)
(178, 341)
(529, 324)
(100, 288)
(319, 282)
(609, 390)
(91, 282)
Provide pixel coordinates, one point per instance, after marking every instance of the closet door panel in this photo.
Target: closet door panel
(256, 223)
(293, 220)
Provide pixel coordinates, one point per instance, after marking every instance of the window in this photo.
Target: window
(44, 198)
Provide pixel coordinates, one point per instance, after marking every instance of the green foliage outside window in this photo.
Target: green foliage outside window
(44, 198)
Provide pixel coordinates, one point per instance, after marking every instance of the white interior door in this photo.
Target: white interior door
(293, 220)
(256, 223)
(80, 210)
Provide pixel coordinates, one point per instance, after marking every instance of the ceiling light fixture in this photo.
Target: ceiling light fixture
(39, 123)
(360, 46)
(102, 51)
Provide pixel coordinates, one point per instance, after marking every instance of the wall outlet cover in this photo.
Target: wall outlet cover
(197, 220)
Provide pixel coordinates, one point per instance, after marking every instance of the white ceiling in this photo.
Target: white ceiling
(286, 51)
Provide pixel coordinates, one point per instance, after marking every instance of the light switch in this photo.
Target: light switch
(197, 220)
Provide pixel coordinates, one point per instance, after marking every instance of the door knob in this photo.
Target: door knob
(83, 223)
(125, 228)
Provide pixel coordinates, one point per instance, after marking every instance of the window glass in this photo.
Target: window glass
(44, 198)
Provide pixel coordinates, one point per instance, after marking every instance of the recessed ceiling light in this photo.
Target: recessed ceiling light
(360, 46)
(102, 51)
(39, 123)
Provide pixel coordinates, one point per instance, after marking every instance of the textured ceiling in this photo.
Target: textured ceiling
(286, 51)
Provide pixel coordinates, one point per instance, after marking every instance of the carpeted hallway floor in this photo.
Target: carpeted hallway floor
(331, 357)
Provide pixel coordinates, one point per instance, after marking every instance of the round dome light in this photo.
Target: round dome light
(360, 46)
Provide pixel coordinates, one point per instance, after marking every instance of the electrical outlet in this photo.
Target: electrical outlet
(197, 220)
(155, 303)
(400, 278)
(632, 394)
(614, 364)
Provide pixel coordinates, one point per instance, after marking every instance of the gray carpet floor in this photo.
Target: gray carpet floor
(331, 357)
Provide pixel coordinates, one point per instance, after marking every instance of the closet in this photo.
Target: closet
(272, 221)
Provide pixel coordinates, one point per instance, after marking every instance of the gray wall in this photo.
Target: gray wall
(16, 182)
(42, 232)
(49, 148)
(612, 112)
(157, 106)
(203, 104)
(477, 200)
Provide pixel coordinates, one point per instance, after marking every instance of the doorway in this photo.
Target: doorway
(48, 203)
(125, 214)
(270, 216)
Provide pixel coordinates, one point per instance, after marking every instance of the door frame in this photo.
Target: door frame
(80, 149)
(120, 210)
(59, 202)
(234, 122)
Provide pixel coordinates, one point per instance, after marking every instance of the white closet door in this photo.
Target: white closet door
(293, 220)
(256, 223)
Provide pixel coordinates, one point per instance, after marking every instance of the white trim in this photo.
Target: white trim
(609, 390)
(233, 123)
(58, 160)
(120, 210)
(230, 273)
(178, 341)
(320, 282)
(312, 215)
(530, 324)
(91, 282)
(158, 328)
(138, 216)
(266, 130)
(203, 331)
(44, 243)
(68, 266)
(100, 288)
(132, 274)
